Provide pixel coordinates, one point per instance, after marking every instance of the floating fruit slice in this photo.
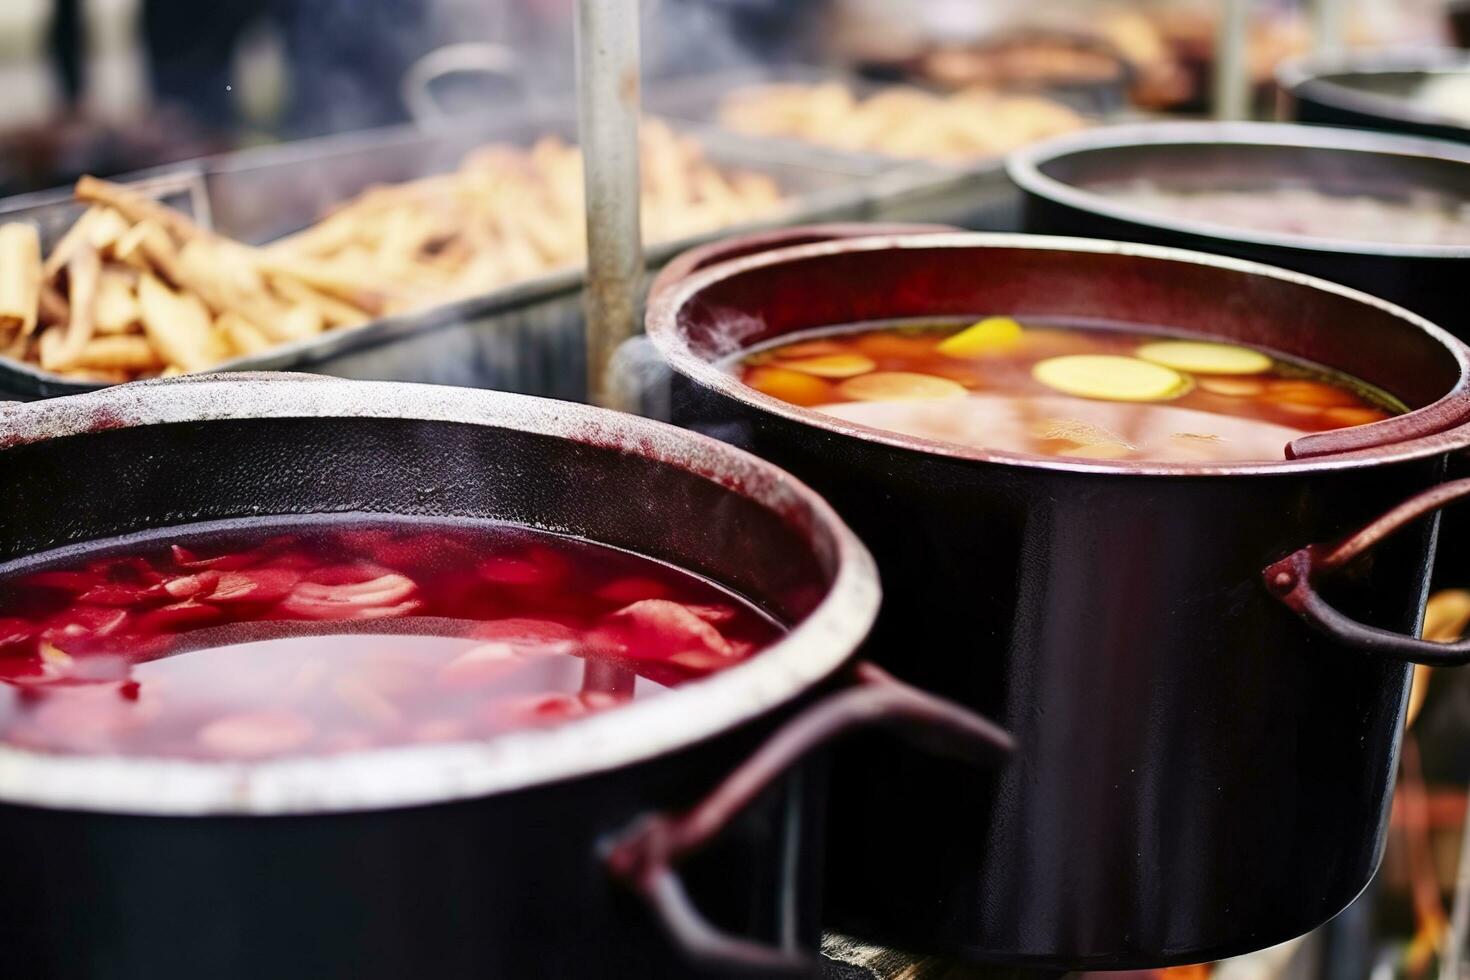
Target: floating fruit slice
(659, 628)
(1200, 357)
(790, 386)
(1300, 391)
(1111, 378)
(832, 365)
(1345, 416)
(894, 346)
(899, 386)
(993, 334)
(256, 733)
(807, 348)
(1233, 387)
(481, 665)
(631, 589)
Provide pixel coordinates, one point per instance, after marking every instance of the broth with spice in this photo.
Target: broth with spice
(1063, 389)
(292, 639)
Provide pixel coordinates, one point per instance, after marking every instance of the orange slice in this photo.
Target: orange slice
(1111, 378)
(894, 386)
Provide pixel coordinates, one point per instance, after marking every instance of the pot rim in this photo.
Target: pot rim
(1025, 168)
(1306, 75)
(1433, 439)
(416, 775)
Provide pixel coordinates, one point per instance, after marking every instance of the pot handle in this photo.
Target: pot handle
(645, 854)
(1293, 580)
(416, 89)
(701, 257)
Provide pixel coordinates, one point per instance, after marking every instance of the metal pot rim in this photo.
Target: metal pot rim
(1306, 74)
(1432, 440)
(417, 775)
(1025, 168)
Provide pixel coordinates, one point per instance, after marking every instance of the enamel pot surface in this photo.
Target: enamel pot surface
(1206, 689)
(1063, 186)
(1374, 89)
(614, 846)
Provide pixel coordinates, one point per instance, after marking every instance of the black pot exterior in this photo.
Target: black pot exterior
(447, 883)
(1198, 772)
(1431, 287)
(1304, 105)
(507, 886)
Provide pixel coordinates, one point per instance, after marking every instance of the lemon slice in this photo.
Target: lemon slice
(899, 386)
(996, 333)
(1109, 377)
(832, 365)
(1233, 387)
(1200, 357)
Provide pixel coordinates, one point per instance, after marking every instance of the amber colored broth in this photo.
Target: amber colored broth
(330, 637)
(1005, 408)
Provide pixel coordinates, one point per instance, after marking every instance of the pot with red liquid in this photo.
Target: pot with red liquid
(301, 677)
(1196, 620)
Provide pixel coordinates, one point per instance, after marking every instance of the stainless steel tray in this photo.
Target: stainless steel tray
(526, 337)
(976, 194)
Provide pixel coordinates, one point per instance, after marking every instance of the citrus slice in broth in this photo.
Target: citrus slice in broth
(893, 386)
(1111, 378)
(831, 365)
(992, 335)
(1200, 357)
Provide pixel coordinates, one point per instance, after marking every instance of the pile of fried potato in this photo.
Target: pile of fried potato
(137, 289)
(899, 121)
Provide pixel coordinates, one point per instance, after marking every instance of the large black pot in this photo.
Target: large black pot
(465, 861)
(1372, 90)
(1201, 769)
(1057, 180)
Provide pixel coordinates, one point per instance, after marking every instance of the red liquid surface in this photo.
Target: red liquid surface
(335, 637)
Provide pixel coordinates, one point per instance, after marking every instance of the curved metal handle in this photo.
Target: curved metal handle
(645, 854)
(417, 87)
(686, 264)
(1293, 580)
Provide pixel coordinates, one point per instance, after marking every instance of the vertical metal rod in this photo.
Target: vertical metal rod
(607, 121)
(1328, 26)
(1232, 70)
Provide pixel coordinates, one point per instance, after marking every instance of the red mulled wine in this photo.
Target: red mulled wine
(292, 639)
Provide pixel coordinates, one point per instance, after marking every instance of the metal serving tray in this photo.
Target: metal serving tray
(525, 337)
(976, 194)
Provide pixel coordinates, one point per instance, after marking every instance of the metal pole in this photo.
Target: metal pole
(1232, 72)
(1328, 24)
(607, 119)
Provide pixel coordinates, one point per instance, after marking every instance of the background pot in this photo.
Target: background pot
(1372, 90)
(1058, 180)
(1199, 772)
(469, 860)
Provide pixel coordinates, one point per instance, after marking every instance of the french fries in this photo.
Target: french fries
(20, 279)
(899, 121)
(135, 288)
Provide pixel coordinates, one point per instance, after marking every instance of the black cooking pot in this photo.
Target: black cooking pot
(512, 857)
(1372, 90)
(1058, 178)
(1205, 749)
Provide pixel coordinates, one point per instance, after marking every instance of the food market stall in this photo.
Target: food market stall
(973, 604)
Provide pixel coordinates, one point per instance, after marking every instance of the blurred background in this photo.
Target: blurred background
(107, 86)
(115, 86)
